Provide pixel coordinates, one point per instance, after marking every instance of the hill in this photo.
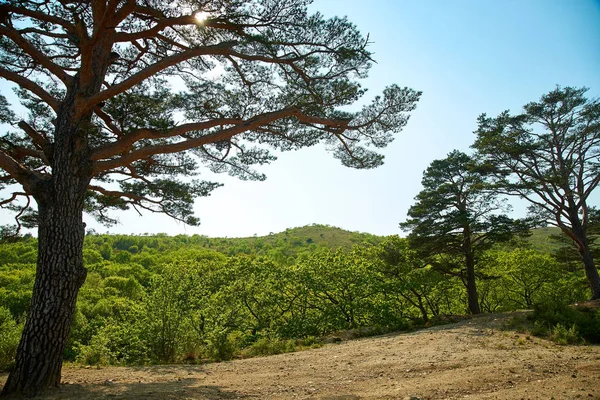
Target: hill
(541, 239)
(473, 358)
(317, 234)
(281, 246)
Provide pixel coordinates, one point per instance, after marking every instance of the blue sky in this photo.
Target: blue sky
(467, 56)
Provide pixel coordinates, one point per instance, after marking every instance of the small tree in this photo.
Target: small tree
(550, 156)
(406, 276)
(105, 131)
(455, 218)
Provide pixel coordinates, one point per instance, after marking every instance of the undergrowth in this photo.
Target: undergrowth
(560, 323)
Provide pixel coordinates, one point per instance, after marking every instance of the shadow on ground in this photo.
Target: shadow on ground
(171, 390)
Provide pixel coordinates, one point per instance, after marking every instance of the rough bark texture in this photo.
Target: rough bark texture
(60, 272)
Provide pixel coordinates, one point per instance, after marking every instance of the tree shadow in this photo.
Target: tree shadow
(181, 389)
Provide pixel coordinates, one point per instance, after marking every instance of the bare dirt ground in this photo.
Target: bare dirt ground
(471, 359)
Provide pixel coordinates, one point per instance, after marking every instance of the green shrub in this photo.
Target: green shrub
(561, 323)
(96, 353)
(114, 344)
(309, 341)
(267, 346)
(10, 334)
(562, 335)
(221, 345)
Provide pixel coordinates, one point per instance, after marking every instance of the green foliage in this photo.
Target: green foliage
(267, 346)
(456, 218)
(10, 333)
(344, 287)
(96, 352)
(412, 283)
(563, 335)
(548, 155)
(221, 345)
(526, 277)
(16, 285)
(193, 298)
(567, 324)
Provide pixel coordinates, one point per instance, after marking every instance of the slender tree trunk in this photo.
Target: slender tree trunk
(473, 299)
(418, 304)
(423, 312)
(422, 308)
(470, 282)
(591, 272)
(579, 235)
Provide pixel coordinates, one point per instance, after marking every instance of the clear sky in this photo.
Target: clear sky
(467, 56)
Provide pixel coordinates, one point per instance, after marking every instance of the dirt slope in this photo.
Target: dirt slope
(470, 359)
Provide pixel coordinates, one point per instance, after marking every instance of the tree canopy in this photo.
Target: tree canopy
(549, 155)
(156, 92)
(456, 215)
(128, 101)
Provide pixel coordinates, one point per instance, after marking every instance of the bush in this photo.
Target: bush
(309, 341)
(10, 334)
(96, 353)
(566, 324)
(267, 346)
(563, 335)
(221, 345)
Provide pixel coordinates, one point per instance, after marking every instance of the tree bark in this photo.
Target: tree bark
(579, 235)
(473, 299)
(470, 282)
(591, 272)
(60, 272)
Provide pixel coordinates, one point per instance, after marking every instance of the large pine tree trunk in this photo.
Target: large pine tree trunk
(60, 272)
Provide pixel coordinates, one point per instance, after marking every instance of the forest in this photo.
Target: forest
(161, 299)
(127, 104)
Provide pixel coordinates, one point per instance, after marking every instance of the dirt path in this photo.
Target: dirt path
(470, 359)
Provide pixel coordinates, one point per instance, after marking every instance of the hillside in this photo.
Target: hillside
(298, 239)
(472, 358)
(541, 240)
(320, 235)
(293, 240)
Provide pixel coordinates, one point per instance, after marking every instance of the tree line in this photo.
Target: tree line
(547, 155)
(160, 299)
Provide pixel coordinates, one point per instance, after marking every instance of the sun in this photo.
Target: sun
(201, 16)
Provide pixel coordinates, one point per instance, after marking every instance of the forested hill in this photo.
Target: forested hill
(319, 235)
(147, 249)
(289, 243)
(164, 299)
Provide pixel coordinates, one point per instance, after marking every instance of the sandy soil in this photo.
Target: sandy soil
(470, 359)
